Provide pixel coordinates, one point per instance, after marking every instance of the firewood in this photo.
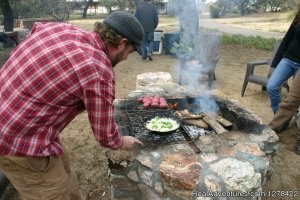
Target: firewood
(224, 121)
(199, 123)
(214, 124)
(187, 117)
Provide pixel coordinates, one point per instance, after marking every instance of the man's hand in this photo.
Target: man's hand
(129, 142)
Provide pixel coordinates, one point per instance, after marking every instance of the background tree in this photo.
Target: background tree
(32, 8)
(243, 6)
(8, 15)
(135, 3)
(61, 11)
(122, 4)
(293, 4)
(275, 5)
(260, 6)
(58, 9)
(224, 6)
(88, 3)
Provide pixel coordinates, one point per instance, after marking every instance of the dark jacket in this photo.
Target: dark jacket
(3, 38)
(146, 13)
(284, 46)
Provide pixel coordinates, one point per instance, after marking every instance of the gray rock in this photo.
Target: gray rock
(237, 175)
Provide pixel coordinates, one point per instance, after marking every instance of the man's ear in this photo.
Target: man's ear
(123, 42)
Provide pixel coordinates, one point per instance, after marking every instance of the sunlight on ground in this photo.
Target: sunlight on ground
(271, 22)
(86, 24)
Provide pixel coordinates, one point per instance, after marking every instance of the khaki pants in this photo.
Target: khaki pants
(46, 178)
(288, 106)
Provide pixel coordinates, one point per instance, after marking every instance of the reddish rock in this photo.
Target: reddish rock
(251, 148)
(181, 170)
(237, 136)
(225, 151)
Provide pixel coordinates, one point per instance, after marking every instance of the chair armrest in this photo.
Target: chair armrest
(252, 64)
(259, 62)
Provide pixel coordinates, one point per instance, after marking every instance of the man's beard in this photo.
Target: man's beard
(117, 59)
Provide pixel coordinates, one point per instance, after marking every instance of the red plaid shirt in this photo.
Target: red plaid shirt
(57, 72)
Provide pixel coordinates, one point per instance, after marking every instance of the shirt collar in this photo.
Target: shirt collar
(99, 42)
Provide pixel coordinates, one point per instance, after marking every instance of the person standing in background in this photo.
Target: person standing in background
(287, 108)
(147, 14)
(286, 61)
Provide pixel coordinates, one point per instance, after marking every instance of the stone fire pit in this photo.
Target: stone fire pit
(232, 165)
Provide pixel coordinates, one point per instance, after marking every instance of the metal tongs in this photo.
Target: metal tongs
(188, 137)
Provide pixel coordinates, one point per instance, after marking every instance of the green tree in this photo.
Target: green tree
(224, 6)
(275, 5)
(58, 9)
(243, 6)
(260, 6)
(32, 8)
(293, 4)
(61, 11)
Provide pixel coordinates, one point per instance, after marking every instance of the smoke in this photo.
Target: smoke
(198, 52)
(207, 104)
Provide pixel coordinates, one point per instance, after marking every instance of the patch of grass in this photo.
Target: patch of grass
(250, 41)
(277, 31)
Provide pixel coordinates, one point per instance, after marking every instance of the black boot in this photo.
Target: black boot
(297, 147)
(150, 57)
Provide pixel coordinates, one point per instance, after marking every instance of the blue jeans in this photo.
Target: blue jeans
(147, 45)
(284, 70)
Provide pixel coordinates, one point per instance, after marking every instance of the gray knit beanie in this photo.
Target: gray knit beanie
(128, 26)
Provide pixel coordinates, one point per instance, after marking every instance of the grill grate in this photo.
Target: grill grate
(132, 121)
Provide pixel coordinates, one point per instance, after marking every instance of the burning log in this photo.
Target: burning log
(199, 123)
(175, 106)
(224, 121)
(192, 116)
(203, 120)
(185, 114)
(214, 124)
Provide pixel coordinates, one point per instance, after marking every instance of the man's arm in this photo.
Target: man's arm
(98, 98)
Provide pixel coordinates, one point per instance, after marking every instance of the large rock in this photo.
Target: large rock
(237, 175)
(181, 170)
(147, 79)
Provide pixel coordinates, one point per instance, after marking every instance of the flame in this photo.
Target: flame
(175, 106)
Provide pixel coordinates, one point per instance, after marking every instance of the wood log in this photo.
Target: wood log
(193, 117)
(214, 124)
(199, 123)
(223, 121)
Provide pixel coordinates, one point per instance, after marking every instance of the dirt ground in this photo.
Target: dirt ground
(89, 160)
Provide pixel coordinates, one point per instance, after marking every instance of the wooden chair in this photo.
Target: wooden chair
(257, 79)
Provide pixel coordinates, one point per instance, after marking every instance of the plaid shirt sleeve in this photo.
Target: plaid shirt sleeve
(98, 99)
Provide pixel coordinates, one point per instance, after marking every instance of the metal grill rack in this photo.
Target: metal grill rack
(132, 121)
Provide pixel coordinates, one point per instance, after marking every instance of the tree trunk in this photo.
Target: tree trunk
(136, 3)
(8, 15)
(109, 9)
(86, 7)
